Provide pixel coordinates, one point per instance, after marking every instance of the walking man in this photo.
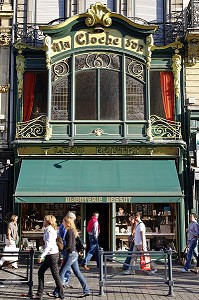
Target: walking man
(93, 229)
(139, 244)
(192, 241)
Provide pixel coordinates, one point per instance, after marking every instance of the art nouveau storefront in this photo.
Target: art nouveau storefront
(98, 128)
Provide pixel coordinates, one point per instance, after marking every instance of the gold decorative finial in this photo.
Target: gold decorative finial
(98, 14)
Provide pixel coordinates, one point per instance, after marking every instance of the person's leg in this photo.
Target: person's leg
(91, 251)
(68, 272)
(67, 265)
(78, 274)
(53, 260)
(133, 260)
(44, 266)
(192, 246)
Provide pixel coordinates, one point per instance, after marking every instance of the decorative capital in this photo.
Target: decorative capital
(4, 88)
(98, 14)
(5, 38)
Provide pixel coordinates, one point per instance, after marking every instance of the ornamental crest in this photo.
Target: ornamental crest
(98, 14)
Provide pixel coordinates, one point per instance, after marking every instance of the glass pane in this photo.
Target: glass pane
(134, 99)
(110, 95)
(85, 95)
(40, 97)
(60, 106)
(156, 104)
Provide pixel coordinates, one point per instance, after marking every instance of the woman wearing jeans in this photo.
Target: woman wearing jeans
(72, 260)
(51, 254)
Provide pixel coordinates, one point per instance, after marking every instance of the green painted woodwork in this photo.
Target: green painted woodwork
(149, 179)
(88, 129)
(136, 130)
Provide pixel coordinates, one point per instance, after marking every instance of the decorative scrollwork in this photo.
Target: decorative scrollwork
(98, 14)
(165, 129)
(36, 128)
(97, 60)
(136, 69)
(61, 68)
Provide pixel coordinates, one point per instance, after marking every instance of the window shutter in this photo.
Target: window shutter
(109, 3)
(151, 11)
(48, 10)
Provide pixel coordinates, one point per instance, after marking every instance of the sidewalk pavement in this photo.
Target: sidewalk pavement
(141, 286)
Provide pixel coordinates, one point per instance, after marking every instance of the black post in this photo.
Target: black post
(170, 281)
(101, 282)
(30, 282)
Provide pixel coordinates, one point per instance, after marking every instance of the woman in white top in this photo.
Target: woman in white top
(50, 256)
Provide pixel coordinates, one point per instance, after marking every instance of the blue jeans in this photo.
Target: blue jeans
(94, 248)
(68, 272)
(193, 251)
(72, 262)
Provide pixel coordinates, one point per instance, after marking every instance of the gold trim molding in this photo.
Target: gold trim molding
(176, 65)
(20, 67)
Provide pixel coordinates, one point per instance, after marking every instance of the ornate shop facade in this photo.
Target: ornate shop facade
(99, 128)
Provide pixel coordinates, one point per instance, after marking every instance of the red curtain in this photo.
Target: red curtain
(167, 88)
(29, 94)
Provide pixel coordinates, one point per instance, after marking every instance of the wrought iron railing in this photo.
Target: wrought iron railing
(192, 14)
(166, 33)
(163, 129)
(37, 128)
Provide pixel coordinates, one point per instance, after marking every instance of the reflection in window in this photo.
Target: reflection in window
(85, 95)
(110, 95)
(134, 99)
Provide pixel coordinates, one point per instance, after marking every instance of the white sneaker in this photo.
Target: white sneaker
(153, 271)
(129, 272)
(184, 270)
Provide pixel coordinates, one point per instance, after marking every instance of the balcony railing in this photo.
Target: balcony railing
(192, 14)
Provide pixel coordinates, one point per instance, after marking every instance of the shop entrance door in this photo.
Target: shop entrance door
(104, 220)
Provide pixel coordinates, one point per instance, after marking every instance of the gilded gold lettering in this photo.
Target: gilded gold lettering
(128, 43)
(45, 150)
(134, 45)
(101, 40)
(93, 40)
(80, 40)
(116, 41)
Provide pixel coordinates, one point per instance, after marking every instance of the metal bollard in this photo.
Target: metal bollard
(101, 282)
(170, 281)
(30, 282)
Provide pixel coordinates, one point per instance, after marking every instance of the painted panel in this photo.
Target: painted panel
(102, 130)
(136, 130)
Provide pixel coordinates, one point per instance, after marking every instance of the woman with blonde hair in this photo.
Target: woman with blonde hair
(72, 258)
(50, 256)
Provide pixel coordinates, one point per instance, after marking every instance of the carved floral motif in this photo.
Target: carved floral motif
(98, 14)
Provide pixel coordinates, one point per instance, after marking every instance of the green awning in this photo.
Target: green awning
(95, 180)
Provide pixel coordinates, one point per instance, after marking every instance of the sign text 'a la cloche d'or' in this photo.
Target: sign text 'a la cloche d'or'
(87, 38)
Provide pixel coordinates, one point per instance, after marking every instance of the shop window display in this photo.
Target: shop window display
(159, 219)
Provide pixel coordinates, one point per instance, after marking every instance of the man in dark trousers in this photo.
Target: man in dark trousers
(93, 229)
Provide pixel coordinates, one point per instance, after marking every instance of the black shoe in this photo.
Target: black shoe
(84, 295)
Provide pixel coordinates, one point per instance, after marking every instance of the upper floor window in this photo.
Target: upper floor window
(35, 94)
(99, 92)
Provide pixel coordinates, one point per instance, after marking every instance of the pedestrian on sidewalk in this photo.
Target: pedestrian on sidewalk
(62, 234)
(50, 256)
(72, 258)
(130, 242)
(192, 241)
(139, 245)
(93, 229)
(12, 238)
